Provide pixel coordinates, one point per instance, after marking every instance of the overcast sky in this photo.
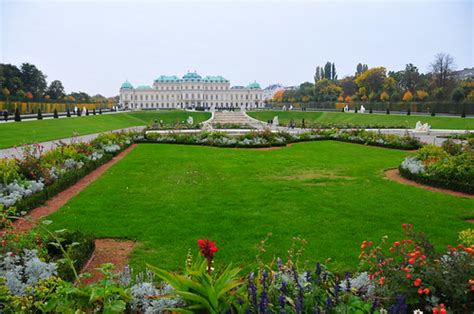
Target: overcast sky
(94, 46)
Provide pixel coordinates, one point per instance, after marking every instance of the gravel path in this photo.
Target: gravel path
(16, 152)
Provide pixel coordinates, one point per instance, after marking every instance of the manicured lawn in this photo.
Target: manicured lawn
(332, 194)
(28, 132)
(456, 123)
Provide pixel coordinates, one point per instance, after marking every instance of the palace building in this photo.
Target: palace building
(190, 92)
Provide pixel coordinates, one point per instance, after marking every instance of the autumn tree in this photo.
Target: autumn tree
(325, 90)
(349, 87)
(421, 95)
(372, 79)
(278, 96)
(384, 96)
(407, 96)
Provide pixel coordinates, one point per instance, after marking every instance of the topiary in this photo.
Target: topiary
(433, 113)
(87, 112)
(388, 111)
(408, 111)
(17, 115)
(370, 110)
(40, 116)
(93, 111)
(55, 114)
(68, 113)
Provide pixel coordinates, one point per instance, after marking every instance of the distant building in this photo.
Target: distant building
(191, 91)
(292, 87)
(271, 90)
(466, 73)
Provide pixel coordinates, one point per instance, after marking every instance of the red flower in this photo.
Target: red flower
(417, 282)
(208, 248)
(382, 280)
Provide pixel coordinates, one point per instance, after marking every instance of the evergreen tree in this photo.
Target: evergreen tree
(333, 72)
(100, 110)
(463, 114)
(408, 111)
(355, 110)
(388, 110)
(68, 113)
(55, 114)
(370, 110)
(17, 115)
(87, 112)
(40, 116)
(93, 111)
(433, 113)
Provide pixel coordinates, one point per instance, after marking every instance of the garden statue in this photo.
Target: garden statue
(291, 108)
(275, 121)
(346, 108)
(75, 109)
(420, 127)
(83, 111)
(284, 108)
(190, 120)
(362, 109)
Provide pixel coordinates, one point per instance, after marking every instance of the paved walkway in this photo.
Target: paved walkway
(16, 152)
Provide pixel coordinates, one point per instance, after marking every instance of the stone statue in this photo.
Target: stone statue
(75, 109)
(291, 108)
(362, 109)
(346, 108)
(83, 111)
(275, 121)
(420, 127)
(190, 120)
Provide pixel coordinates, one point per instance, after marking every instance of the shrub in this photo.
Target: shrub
(40, 116)
(55, 114)
(68, 113)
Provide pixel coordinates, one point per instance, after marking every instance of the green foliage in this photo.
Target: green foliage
(9, 170)
(211, 293)
(458, 94)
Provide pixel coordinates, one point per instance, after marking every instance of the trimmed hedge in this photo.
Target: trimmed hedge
(80, 253)
(465, 187)
(60, 185)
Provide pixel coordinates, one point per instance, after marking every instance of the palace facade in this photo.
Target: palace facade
(191, 91)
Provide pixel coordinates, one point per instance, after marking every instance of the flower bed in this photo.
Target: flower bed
(267, 139)
(28, 182)
(404, 276)
(450, 166)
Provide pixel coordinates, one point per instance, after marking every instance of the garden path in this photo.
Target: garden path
(63, 197)
(16, 151)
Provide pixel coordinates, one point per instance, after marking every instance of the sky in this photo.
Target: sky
(93, 46)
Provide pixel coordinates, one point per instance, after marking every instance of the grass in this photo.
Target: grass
(332, 194)
(456, 123)
(28, 132)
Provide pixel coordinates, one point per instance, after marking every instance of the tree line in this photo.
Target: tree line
(27, 82)
(376, 84)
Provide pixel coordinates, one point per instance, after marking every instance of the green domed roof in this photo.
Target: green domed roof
(254, 85)
(215, 79)
(126, 85)
(167, 79)
(192, 76)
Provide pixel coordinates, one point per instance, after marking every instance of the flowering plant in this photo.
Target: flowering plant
(208, 249)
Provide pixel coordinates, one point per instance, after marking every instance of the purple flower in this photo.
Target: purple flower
(253, 290)
(374, 306)
(328, 304)
(348, 282)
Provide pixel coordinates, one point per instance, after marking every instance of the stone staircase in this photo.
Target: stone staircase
(235, 117)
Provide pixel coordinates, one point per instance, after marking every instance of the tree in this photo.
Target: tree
(372, 80)
(349, 87)
(87, 112)
(407, 96)
(40, 116)
(333, 72)
(100, 110)
(55, 90)
(29, 95)
(326, 90)
(55, 114)
(6, 93)
(10, 77)
(17, 115)
(458, 94)
(384, 96)
(389, 85)
(93, 111)
(33, 80)
(410, 78)
(278, 96)
(441, 69)
(68, 113)
(361, 68)
(318, 75)
(20, 93)
(395, 96)
(421, 95)
(327, 71)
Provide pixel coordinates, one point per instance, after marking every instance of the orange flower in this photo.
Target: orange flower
(382, 280)
(426, 291)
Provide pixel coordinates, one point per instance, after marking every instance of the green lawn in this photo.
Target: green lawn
(28, 132)
(456, 123)
(332, 194)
